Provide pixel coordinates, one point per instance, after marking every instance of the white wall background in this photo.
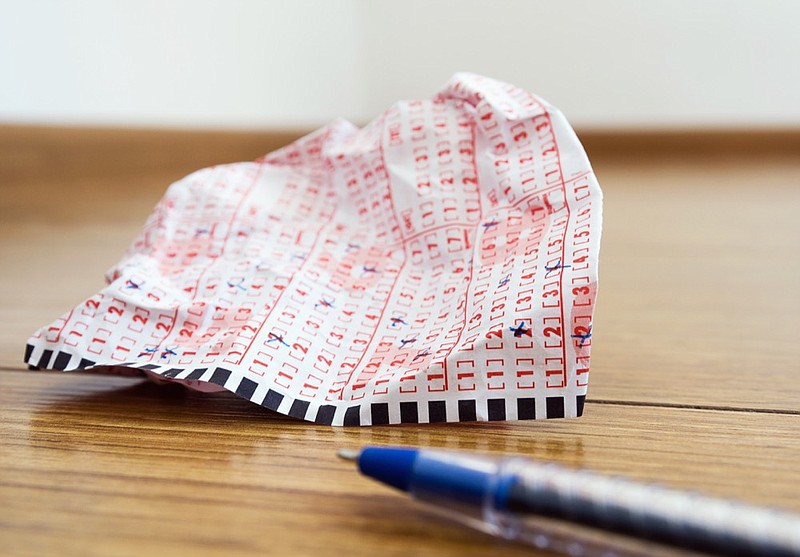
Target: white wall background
(262, 63)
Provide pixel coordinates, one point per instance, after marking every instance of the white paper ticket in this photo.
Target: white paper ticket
(437, 265)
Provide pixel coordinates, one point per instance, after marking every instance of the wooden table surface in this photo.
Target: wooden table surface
(694, 381)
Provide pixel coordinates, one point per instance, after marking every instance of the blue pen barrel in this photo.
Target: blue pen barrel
(580, 513)
(452, 477)
(529, 492)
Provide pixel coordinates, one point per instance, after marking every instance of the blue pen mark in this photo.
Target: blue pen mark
(405, 341)
(491, 224)
(168, 352)
(583, 338)
(520, 330)
(273, 337)
(370, 269)
(555, 267)
(239, 285)
(422, 354)
(505, 280)
(324, 302)
(398, 321)
(200, 231)
(130, 284)
(352, 247)
(148, 351)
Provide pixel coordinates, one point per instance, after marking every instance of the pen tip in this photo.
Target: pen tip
(348, 454)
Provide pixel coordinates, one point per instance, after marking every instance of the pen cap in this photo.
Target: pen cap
(392, 466)
(429, 474)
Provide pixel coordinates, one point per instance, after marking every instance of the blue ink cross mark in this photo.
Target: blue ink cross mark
(505, 280)
(239, 285)
(490, 224)
(148, 351)
(200, 231)
(168, 352)
(405, 341)
(130, 284)
(352, 247)
(520, 330)
(398, 321)
(555, 267)
(370, 269)
(324, 302)
(279, 338)
(583, 338)
(422, 354)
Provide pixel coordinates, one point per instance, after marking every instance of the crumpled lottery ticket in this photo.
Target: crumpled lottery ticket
(437, 265)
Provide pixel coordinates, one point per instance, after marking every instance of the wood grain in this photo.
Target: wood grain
(109, 465)
(699, 301)
(694, 378)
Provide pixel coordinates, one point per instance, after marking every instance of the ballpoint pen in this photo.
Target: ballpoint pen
(578, 512)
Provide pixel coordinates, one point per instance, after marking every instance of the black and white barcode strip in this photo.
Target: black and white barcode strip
(341, 413)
